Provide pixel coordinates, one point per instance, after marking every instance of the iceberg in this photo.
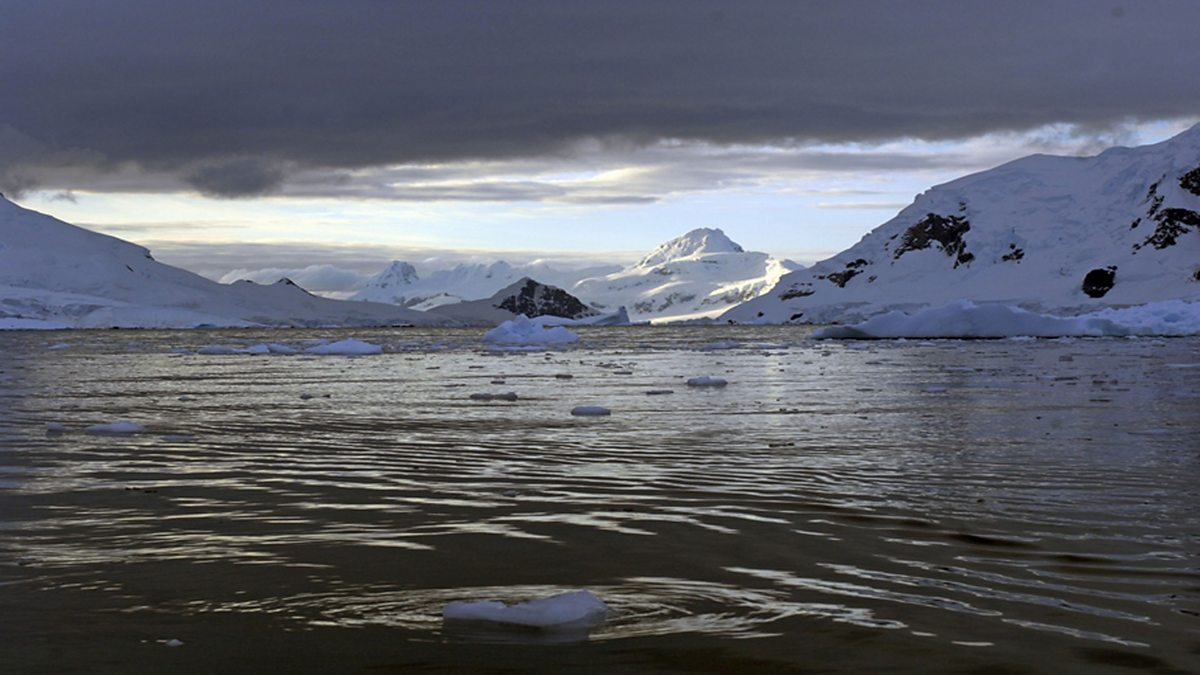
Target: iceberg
(523, 331)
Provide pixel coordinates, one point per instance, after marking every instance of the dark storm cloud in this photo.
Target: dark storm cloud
(231, 97)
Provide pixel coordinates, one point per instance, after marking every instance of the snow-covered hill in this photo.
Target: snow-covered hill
(56, 274)
(700, 274)
(1059, 234)
(525, 296)
(399, 283)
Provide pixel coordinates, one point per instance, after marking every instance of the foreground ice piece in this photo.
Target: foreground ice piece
(347, 347)
(590, 411)
(966, 319)
(523, 331)
(706, 381)
(118, 427)
(564, 610)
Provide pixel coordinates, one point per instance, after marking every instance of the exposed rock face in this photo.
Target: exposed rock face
(1100, 281)
(947, 231)
(1190, 181)
(1172, 224)
(535, 299)
(853, 269)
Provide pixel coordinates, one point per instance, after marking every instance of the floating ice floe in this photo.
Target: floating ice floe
(523, 331)
(506, 396)
(720, 345)
(54, 428)
(577, 608)
(965, 319)
(590, 411)
(347, 347)
(58, 345)
(706, 381)
(262, 348)
(116, 428)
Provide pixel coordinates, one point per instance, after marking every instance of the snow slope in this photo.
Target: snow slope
(697, 275)
(1065, 235)
(51, 271)
(399, 283)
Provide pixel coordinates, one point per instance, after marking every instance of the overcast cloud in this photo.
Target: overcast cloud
(243, 99)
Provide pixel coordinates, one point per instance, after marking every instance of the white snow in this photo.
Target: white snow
(706, 381)
(523, 331)
(590, 411)
(564, 610)
(697, 275)
(967, 319)
(116, 428)
(57, 275)
(1025, 234)
(347, 347)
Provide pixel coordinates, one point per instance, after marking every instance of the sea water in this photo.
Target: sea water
(943, 506)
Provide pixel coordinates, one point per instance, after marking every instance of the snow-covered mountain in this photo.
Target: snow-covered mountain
(399, 283)
(700, 274)
(56, 274)
(525, 296)
(1060, 234)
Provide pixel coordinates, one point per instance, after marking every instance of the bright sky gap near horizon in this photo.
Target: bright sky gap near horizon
(232, 136)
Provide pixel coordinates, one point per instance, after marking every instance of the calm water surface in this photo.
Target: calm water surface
(987, 507)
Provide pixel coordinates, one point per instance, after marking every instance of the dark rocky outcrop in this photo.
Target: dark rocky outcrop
(1014, 254)
(536, 299)
(946, 231)
(1100, 281)
(853, 269)
(1172, 224)
(793, 293)
(1190, 181)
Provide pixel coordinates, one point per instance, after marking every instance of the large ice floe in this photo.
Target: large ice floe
(347, 347)
(565, 610)
(965, 319)
(525, 331)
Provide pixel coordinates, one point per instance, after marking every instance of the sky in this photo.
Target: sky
(247, 136)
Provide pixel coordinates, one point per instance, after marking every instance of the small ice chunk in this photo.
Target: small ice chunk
(118, 427)
(347, 347)
(721, 344)
(219, 350)
(506, 396)
(706, 381)
(575, 608)
(54, 428)
(174, 642)
(590, 411)
(59, 345)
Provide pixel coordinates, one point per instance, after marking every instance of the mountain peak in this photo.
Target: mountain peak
(699, 241)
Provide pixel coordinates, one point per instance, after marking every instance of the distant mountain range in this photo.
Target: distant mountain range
(399, 283)
(699, 274)
(1058, 234)
(54, 274)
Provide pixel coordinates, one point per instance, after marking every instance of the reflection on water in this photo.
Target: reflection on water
(942, 506)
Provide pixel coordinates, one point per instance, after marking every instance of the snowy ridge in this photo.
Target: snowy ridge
(56, 274)
(698, 275)
(399, 283)
(1065, 235)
